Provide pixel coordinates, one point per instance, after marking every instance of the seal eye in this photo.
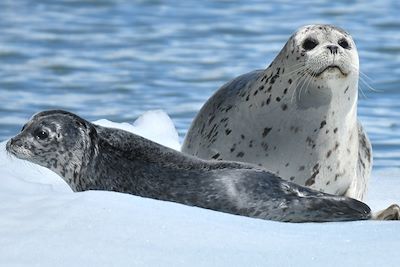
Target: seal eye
(41, 134)
(343, 43)
(309, 44)
(23, 128)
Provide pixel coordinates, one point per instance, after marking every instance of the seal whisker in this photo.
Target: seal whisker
(308, 85)
(301, 84)
(299, 88)
(362, 92)
(301, 77)
(356, 68)
(304, 88)
(364, 80)
(303, 66)
(296, 83)
(365, 75)
(299, 67)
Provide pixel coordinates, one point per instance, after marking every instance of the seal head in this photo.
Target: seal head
(58, 140)
(321, 59)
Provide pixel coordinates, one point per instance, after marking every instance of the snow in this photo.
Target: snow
(43, 223)
(155, 125)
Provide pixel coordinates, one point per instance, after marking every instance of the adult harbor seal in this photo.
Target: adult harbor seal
(297, 118)
(91, 157)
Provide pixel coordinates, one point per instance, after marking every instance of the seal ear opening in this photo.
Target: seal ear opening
(79, 123)
(92, 132)
(89, 129)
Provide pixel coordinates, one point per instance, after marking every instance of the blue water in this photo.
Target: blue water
(117, 59)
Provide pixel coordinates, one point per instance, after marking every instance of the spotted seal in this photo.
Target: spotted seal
(297, 118)
(91, 157)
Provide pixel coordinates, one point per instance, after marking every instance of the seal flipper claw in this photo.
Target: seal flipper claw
(390, 213)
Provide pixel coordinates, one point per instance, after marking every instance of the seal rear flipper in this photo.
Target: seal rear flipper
(308, 205)
(319, 209)
(329, 209)
(263, 195)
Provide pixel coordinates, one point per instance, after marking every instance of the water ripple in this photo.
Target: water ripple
(117, 58)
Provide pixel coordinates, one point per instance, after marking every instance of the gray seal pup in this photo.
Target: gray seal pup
(91, 157)
(297, 118)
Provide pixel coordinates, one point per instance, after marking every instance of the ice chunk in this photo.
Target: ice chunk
(155, 125)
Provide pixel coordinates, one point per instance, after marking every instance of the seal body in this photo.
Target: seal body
(91, 157)
(297, 118)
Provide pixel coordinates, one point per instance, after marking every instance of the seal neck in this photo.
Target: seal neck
(133, 165)
(338, 95)
(77, 168)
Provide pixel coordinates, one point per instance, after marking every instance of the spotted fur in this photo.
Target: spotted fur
(303, 111)
(91, 157)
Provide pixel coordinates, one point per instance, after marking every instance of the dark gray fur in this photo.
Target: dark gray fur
(91, 157)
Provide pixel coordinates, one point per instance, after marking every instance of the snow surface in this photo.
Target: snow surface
(43, 223)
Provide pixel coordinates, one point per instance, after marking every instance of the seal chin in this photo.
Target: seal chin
(332, 69)
(19, 152)
(9, 147)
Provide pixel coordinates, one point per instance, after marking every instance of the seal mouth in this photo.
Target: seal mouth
(17, 151)
(331, 68)
(9, 148)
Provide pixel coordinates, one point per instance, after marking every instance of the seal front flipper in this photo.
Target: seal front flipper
(358, 187)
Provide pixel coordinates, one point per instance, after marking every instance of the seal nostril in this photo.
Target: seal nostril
(333, 48)
(14, 142)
